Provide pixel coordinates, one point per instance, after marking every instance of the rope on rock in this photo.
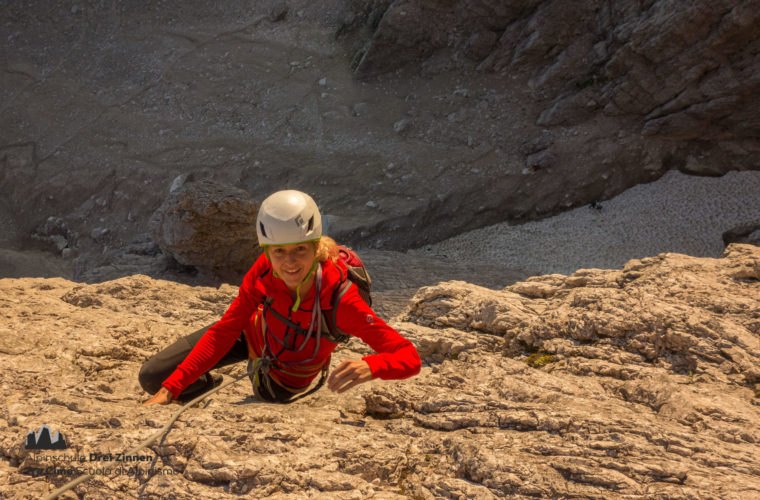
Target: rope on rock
(150, 440)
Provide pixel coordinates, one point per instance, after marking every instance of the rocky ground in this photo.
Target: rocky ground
(638, 382)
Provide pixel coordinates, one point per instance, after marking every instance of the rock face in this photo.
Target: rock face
(747, 233)
(208, 225)
(639, 382)
(526, 107)
(688, 71)
(683, 77)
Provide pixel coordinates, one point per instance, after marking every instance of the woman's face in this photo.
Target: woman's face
(292, 262)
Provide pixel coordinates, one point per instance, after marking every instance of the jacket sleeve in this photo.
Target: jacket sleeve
(220, 338)
(396, 356)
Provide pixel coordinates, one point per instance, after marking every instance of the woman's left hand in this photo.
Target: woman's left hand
(348, 374)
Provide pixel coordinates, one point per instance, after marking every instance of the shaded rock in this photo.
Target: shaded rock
(17, 161)
(747, 233)
(480, 44)
(620, 51)
(279, 11)
(401, 126)
(180, 181)
(32, 263)
(549, 74)
(359, 108)
(142, 245)
(683, 72)
(208, 225)
(100, 233)
(54, 235)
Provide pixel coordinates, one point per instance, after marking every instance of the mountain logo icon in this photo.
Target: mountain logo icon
(41, 440)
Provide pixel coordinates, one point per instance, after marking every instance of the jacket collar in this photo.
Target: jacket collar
(333, 273)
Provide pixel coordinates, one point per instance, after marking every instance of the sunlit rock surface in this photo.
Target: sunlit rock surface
(638, 382)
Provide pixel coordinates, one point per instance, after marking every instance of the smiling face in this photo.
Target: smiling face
(292, 262)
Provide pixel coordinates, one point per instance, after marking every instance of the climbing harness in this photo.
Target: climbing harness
(259, 367)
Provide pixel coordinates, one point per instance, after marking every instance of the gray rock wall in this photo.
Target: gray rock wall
(466, 113)
(687, 73)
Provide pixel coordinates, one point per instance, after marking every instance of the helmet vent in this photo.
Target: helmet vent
(311, 224)
(263, 231)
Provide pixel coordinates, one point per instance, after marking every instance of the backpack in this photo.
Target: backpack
(358, 275)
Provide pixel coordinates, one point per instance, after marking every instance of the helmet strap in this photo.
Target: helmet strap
(298, 288)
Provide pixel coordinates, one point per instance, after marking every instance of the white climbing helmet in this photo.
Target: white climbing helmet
(287, 217)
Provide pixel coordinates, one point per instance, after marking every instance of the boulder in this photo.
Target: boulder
(208, 225)
(746, 233)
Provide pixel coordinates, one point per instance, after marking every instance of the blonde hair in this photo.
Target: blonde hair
(326, 249)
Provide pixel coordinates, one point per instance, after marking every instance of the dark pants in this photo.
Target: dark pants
(161, 365)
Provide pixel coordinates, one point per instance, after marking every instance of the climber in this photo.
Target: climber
(279, 321)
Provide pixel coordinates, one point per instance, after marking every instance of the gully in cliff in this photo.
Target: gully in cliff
(301, 298)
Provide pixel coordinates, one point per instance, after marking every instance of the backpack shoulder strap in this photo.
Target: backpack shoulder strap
(357, 273)
(331, 323)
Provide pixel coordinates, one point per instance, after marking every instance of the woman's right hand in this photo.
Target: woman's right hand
(162, 397)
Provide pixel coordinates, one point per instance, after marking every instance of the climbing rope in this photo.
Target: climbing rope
(150, 440)
(258, 369)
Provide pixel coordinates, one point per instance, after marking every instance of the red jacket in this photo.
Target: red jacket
(396, 357)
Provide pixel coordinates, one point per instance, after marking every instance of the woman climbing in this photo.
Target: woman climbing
(286, 320)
